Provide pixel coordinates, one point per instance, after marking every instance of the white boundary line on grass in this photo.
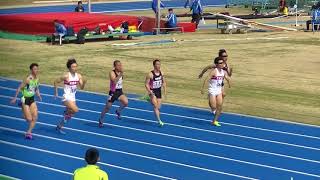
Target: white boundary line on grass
(173, 148)
(132, 154)
(187, 127)
(190, 107)
(10, 177)
(182, 137)
(188, 117)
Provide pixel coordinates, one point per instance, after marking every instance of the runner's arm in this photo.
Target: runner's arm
(22, 85)
(56, 82)
(147, 81)
(205, 70)
(114, 78)
(228, 78)
(164, 84)
(82, 81)
(206, 81)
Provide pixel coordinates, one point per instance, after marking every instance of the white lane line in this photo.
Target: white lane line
(70, 156)
(172, 148)
(132, 154)
(187, 127)
(179, 137)
(35, 165)
(190, 107)
(188, 117)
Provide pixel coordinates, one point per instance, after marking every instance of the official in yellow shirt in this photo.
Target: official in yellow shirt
(91, 171)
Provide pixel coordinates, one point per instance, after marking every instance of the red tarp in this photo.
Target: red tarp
(42, 24)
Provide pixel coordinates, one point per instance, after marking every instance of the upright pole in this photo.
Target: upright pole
(158, 16)
(296, 6)
(89, 6)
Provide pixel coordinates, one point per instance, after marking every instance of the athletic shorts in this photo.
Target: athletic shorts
(196, 18)
(69, 97)
(27, 100)
(114, 96)
(157, 93)
(215, 92)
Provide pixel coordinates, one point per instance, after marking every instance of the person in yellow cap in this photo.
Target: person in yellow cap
(91, 171)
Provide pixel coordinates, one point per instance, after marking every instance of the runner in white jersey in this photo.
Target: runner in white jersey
(223, 54)
(115, 93)
(215, 80)
(71, 81)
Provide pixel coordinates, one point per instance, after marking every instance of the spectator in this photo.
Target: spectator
(283, 7)
(197, 11)
(171, 19)
(60, 30)
(79, 7)
(317, 6)
(154, 5)
(313, 8)
(91, 171)
(186, 4)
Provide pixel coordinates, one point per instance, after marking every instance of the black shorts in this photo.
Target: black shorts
(196, 18)
(157, 93)
(113, 96)
(27, 100)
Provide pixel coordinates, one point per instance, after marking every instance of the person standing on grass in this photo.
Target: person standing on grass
(154, 82)
(29, 88)
(91, 171)
(71, 80)
(197, 11)
(215, 80)
(115, 93)
(223, 54)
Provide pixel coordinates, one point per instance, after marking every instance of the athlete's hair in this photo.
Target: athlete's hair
(155, 61)
(115, 63)
(70, 62)
(217, 59)
(221, 51)
(92, 156)
(79, 2)
(33, 65)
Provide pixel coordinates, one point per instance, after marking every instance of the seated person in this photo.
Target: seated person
(313, 8)
(171, 19)
(60, 30)
(79, 7)
(283, 8)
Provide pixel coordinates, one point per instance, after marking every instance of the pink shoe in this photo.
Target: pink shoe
(28, 136)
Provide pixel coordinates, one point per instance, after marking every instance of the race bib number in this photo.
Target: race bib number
(157, 84)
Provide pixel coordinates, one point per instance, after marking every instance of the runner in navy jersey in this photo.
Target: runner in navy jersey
(155, 80)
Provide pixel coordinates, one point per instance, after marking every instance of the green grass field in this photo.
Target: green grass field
(276, 77)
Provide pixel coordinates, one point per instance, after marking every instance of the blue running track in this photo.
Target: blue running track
(186, 148)
(107, 7)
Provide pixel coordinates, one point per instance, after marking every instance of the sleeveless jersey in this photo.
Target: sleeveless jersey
(157, 81)
(118, 85)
